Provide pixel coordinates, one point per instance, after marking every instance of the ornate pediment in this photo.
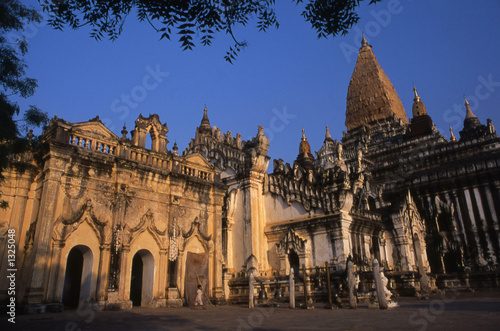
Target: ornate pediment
(195, 231)
(291, 241)
(197, 159)
(147, 223)
(94, 128)
(63, 228)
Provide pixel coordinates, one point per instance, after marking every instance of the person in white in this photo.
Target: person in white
(199, 301)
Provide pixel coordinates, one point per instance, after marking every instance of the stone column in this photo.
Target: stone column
(253, 237)
(328, 282)
(163, 274)
(124, 290)
(484, 225)
(341, 239)
(456, 227)
(460, 218)
(102, 277)
(493, 212)
(491, 206)
(56, 275)
(14, 222)
(230, 244)
(35, 268)
(251, 281)
(218, 201)
(470, 209)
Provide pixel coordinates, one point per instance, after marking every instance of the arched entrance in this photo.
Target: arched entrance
(294, 261)
(78, 277)
(142, 279)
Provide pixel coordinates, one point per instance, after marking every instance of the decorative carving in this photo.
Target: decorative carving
(195, 229)
(63, 228)
(173, 250)
(147, 223)
(115, 258)
(291, 241)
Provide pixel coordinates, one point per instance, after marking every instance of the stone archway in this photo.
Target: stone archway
(290, 249)
(78, 277)
(142, 279)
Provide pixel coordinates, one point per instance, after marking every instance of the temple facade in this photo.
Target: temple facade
(109, 222)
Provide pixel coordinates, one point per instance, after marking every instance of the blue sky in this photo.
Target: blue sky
(284, 80)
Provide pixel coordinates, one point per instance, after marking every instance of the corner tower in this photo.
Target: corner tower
(371, 95)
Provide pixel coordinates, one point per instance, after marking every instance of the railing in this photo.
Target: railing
(93, 145)
(185, 170)
(134, 153)
(148, 158)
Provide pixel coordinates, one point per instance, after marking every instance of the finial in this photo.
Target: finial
(416, 98)
(469, 113)
(328, 135)
(452, 138)
(175, 148)
(363, 40)
(124, 131)
(303, 135)
(30, 134)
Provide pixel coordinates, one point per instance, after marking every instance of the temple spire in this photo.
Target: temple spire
(205, 127)
(418, 108)
(416, 98)
(371, 96)
(363, 40)
(328, 136)
(305, 158)
(469, 113)
(452, 138)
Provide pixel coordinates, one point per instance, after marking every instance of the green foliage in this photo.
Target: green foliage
(13, 16)
(197, 18)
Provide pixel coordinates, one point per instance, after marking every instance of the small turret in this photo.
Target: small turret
(418, 108)
(421, 124)
(328, 136)
(473, 128)
(205, 128)
(305, 158)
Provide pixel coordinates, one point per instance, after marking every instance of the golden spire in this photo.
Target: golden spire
(416, 98)
(363, 40)
(304, 148)
(452, 138)
(370, 93)
(418, 107)
(469, 113)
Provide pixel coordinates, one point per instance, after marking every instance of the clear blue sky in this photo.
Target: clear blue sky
(448, 48)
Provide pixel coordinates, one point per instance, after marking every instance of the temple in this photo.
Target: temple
(108, 222)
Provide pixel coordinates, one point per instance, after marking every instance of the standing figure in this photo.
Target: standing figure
(199, 296)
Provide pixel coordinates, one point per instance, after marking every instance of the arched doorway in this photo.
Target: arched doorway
(78, 277)
(142, 279)
(294, 261)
